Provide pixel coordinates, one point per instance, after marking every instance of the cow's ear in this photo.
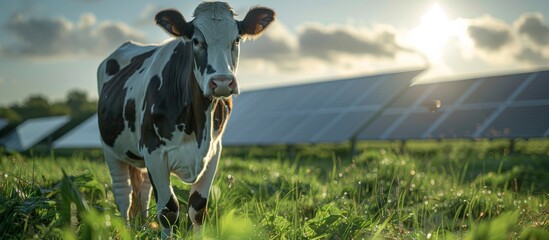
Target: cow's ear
(174, 23)
(256, 20)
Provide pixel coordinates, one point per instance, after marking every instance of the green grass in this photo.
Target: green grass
(433, 190)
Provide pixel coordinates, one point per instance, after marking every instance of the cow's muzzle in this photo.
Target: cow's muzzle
(223, 86)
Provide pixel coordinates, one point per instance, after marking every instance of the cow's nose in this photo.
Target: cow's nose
(223, 86)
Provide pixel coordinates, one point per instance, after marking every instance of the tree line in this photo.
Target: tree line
(76, 104)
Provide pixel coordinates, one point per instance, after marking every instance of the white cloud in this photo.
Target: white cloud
(324, 41)
(58, 37)
(316, 46)
(489, 33)
(524, 42)
(532, 26)
(316, 51)
(276, 42)
(146, 17)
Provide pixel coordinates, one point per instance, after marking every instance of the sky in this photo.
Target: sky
(52, 47)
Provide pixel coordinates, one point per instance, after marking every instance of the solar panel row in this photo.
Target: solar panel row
(511, 106)
(321, 112)
(380, 107)
(32, 131)
(85, 135)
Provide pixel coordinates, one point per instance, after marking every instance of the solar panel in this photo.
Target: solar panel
(307, 127)
(32, 131)
(496, 89)
(3, 123)
(509, 106)
(328, 111)
(343, 126)
(413, 127)
(462, 123)
(85, 135)
(538, 89)
(520, 122)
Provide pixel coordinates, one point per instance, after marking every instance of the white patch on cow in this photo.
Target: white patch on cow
(187, 159)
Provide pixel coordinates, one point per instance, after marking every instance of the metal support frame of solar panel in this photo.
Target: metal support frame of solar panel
(85, 135)
(32, 131)
(509, 106)
(311, 113)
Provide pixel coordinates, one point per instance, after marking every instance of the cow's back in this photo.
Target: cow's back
(118, 60)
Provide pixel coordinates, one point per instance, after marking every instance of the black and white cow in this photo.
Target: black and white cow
(163, 108)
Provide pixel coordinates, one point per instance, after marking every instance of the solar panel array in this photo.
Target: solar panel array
(311, 113)
(85, 135)
(510, 106)
(32, 131)
(380, 107)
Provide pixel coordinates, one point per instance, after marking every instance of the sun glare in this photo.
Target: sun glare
(431, 35)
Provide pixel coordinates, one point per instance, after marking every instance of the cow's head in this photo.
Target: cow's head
(216, 37)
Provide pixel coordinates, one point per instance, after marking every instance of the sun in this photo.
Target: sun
(431, 35)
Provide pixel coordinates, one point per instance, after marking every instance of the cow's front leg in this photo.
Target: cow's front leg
(166, 203)
(198, 197)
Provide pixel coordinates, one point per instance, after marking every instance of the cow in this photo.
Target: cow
(162, 109)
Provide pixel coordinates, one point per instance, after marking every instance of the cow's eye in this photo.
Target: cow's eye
(196, 43)
(237, 41)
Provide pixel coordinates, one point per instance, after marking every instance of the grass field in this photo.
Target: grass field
(434, 190)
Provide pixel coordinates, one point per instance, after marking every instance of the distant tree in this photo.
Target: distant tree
(76, 99)
(59, 108)
(34, 106)
(79, 104)
(10, 114)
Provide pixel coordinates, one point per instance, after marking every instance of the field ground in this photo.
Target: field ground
(433, 190)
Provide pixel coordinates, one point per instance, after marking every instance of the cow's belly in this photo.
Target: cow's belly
(126, 149)
(186, 158)
(188, 162)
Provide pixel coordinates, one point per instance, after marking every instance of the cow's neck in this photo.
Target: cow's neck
(194, 112)
(207, 115)
(198, 114)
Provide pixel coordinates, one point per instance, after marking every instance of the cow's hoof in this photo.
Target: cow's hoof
(166, 233)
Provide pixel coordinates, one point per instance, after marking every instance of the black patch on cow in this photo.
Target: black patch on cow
(199, 217)
(172, 204)
(198, 203)
(168, 215)
(210, 69)
(133, 156)
(170, 212)
(201, 59)
(112, 67)
(129, 114)
(111, 100)
(167, 218)
(177, 99)
(149, 138)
